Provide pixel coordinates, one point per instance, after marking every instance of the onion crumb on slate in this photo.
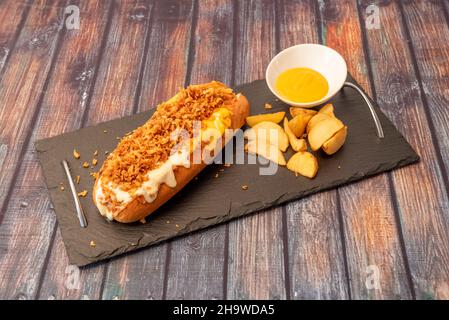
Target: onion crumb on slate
(244, 187)
(76, 154)
(82, 193)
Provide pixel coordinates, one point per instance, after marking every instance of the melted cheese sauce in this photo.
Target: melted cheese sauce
(163, 174)
(302, 85)
(216, 125)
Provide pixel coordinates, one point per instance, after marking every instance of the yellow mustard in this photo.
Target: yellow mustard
(302, 85)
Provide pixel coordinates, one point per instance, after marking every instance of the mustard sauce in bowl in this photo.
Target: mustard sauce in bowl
(302, 85)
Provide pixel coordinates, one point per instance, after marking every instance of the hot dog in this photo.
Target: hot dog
(152, 163)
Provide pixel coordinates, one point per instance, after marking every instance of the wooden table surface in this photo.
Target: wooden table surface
(127, 56)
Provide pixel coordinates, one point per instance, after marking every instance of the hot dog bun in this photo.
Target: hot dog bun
(135, 206)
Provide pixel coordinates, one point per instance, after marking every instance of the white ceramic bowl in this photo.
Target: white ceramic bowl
(320, 58)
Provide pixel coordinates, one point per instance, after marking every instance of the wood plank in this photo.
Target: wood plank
(27, 228)
(167, 54)
(118, 75)
(12, 17)
(421, 197)
(21, 87)
(315, 253)
(62, 281)
(256, 260)
(370, 228)
(431, 53)
(196, 262)
(113, 96)
(140, 275)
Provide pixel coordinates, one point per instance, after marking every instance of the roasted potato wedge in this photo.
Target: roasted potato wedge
(334, 144)
(266, 150)
(271, 117)
(299, 123)
(304, 163)
(328, 109)
(268, 132)
(294, 111)
(323, 131)
(297, 144)
(315, 119)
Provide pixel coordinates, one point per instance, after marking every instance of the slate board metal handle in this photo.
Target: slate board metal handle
(79, 209)
(380, 131)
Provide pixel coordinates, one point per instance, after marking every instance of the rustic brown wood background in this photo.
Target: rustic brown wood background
(129, 55)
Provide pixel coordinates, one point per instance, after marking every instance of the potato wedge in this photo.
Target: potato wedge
(304, 163)
(334, 144)
(328, 109)
(268, 132)
(316, 118)
(323, 131)
(299, 123)
(297, 144)
(300, 145)
(294, 111)
(267, 151)
(271, 117)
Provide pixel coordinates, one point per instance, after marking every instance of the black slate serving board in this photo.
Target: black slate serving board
(210, 200)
